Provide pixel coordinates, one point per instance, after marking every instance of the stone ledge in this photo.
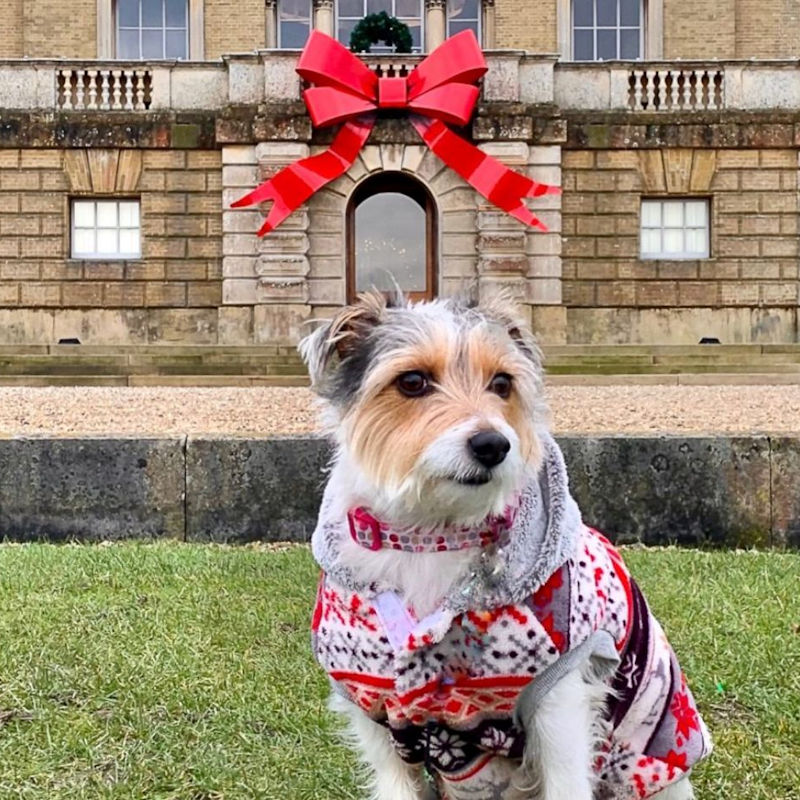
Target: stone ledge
(699, 491)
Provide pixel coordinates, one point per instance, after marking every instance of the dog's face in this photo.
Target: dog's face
(436, 405)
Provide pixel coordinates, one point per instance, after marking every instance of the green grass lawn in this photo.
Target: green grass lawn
(179, 671)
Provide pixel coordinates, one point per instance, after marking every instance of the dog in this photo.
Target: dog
(481, 641)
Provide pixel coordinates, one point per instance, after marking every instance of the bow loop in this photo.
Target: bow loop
(458, 60)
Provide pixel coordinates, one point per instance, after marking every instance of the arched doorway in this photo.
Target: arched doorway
(391, 237)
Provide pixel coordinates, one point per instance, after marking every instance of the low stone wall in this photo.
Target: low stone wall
(712, 491)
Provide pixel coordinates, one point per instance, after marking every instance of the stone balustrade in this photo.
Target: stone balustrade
(269, 76)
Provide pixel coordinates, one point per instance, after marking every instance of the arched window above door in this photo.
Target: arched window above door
(391, 237)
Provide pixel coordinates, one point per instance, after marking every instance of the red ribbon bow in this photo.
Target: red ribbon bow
(439, 90)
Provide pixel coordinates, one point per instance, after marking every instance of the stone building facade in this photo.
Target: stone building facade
(678, 217)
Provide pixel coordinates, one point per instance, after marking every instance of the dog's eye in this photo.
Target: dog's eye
(413, 384)
(501, 385)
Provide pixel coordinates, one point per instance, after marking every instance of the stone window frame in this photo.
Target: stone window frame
(653, 24)
(683, 255)
(107, 29)
(404, 183)
(104, 198)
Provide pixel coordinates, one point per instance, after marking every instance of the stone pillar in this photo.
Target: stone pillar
(515, 258)
(543, 250)
(488, 36)
(323, 17)
(435, 24)
(265, 275)
(271, 24)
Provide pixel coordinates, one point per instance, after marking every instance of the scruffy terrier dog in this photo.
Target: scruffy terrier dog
(481, 641)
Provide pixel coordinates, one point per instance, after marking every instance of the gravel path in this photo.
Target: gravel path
(261, 411)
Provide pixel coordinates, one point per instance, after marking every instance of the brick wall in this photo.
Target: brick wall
(171, 293)
(11, 30)
(234, 26)
(521, 25)
(701, 28)
(53, 28)
(754, 243)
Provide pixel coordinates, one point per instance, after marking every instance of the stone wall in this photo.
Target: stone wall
(273, 285)
(55, 29)
(170, 294)
(234, 26)
(746, 291)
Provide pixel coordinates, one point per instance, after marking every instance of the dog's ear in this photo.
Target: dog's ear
(343, 342)
(502, 310)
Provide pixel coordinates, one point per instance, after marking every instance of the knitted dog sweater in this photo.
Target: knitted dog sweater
(456, 688)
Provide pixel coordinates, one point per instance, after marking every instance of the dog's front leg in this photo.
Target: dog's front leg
(390, 777)
(558, 754)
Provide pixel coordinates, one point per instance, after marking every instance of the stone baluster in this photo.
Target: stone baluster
(116, 97)
(139, 103)
(105, 88)
(92, 73)
(79, 76)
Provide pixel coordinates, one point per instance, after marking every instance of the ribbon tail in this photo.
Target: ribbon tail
(293, 185)
(499, 184)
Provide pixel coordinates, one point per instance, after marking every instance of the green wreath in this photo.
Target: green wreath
(380, 28)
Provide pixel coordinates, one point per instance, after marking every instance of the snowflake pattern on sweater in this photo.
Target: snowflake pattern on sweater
(446, 686)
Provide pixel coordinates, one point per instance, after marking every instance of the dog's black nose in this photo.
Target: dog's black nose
(489, 447)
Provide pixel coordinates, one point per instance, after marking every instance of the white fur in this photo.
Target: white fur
(389, 777)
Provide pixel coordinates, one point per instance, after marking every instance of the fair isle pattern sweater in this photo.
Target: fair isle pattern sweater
(455, 688)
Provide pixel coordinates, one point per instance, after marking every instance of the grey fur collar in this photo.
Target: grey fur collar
(542, 538)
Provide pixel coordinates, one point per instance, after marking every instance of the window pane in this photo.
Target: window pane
(107, 241)
(607, 13)
(294, 35)
(297, 10)
(455, 27)
(83, 214)
(696, 213)
(415, 28)
(584, 46)
(583, 13)
(629, 44)
(651, 241)
(673, 241)
(129, 242)
(345, 29)
(128, 215)
(128, 13)
(152, 13)
(391, 246)
(176, 13)
(374, 6)
(106, 215)
(408, 8)
(129, 44)
(175, 44)
(697, 241)
(606, 44)
(82, 242)
(351, 8)
(651, 213)
(629, 13)
(152, 44)
(673, 214)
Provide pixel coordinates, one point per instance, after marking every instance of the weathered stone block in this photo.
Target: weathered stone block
(785, 453)
(669, 489)
(91, 489)
(255, 489)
